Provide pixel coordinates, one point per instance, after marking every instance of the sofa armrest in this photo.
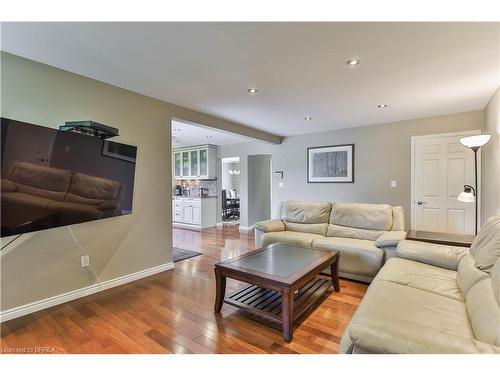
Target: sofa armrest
(436, 255)
(8, 186)
(270, 226)
(390, 239)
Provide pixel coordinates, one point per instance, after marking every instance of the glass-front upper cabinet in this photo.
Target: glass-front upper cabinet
(203, 163)
(194, 163)
(185, 164)
(177, 164)
(197, 162)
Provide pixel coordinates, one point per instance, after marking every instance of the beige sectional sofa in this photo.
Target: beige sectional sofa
(433, 299)
(365, 234)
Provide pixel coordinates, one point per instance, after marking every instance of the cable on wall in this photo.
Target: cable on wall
(85, 252)
(12, 240)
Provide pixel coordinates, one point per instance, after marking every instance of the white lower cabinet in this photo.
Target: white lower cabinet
(188, 214)
(196, 215)
(194, 212)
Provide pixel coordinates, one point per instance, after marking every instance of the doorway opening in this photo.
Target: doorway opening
(230, 190)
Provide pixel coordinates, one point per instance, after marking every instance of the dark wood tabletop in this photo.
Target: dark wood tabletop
(285, 282)
(463, 240)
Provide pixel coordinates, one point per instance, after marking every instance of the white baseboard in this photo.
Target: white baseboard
(29, 308)
(186, 225)
(246, 229)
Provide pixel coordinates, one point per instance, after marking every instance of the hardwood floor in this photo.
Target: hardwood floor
(172, 312)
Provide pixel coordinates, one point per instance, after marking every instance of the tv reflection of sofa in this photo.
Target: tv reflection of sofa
(31, 191)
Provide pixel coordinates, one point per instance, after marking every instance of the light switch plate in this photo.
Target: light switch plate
(394, 183)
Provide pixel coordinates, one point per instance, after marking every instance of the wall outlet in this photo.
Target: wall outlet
(85, 260)
(394, 183)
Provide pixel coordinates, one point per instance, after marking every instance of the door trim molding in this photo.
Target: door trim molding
(412, 182)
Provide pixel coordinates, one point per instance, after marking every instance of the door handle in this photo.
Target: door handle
(420, 203)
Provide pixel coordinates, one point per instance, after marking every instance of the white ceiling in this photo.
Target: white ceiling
(418, 69)
(184, 134)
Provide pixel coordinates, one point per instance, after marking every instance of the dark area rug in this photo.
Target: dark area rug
(179, 254)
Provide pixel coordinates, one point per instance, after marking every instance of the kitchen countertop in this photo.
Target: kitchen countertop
(188, 197)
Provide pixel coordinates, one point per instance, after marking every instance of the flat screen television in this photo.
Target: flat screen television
(53, 178)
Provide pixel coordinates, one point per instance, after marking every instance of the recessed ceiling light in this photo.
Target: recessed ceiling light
(308, 118)
(353, 62)
(382, 105)
(252, 91)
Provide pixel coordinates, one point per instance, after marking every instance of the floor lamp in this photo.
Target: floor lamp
(470, 193)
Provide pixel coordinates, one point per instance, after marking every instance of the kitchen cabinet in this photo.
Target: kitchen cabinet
(198, 163)
(194, 212)
(177, 164)
(185, 163)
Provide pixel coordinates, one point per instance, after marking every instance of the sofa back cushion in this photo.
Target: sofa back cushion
(483, 306)
(398, 218)
(350, 232)
(307, 228)
(40, 180)
(486, 245)
(468, 274)
(92, 190)
(362, 215)
(305, 212)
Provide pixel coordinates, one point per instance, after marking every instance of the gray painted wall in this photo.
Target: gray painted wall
(44, 264)
(491, 159)
(259, 188)
(382, 154)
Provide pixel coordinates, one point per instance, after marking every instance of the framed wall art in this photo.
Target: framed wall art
(331, 164)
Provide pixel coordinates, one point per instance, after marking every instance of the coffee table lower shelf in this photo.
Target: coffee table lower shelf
(266, 303)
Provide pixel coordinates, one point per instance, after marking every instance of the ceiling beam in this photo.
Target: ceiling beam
(199, 118)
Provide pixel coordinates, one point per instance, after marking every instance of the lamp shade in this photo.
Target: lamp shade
(475, 140)
(468, 195)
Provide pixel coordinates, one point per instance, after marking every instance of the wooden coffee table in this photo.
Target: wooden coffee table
(285, 281)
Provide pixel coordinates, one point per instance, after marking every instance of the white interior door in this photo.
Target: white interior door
(442, 166)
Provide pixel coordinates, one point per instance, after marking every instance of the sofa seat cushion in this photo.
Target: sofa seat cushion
(421, 276)
(307, 228)
(70, 206)
(18, 200)
(350, 232)
(393, 318)
(359, 257)
(289, 237)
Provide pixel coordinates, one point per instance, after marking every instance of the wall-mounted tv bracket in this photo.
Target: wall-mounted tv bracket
(91, 128)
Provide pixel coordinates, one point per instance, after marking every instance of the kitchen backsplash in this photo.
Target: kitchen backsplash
(196, 185)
